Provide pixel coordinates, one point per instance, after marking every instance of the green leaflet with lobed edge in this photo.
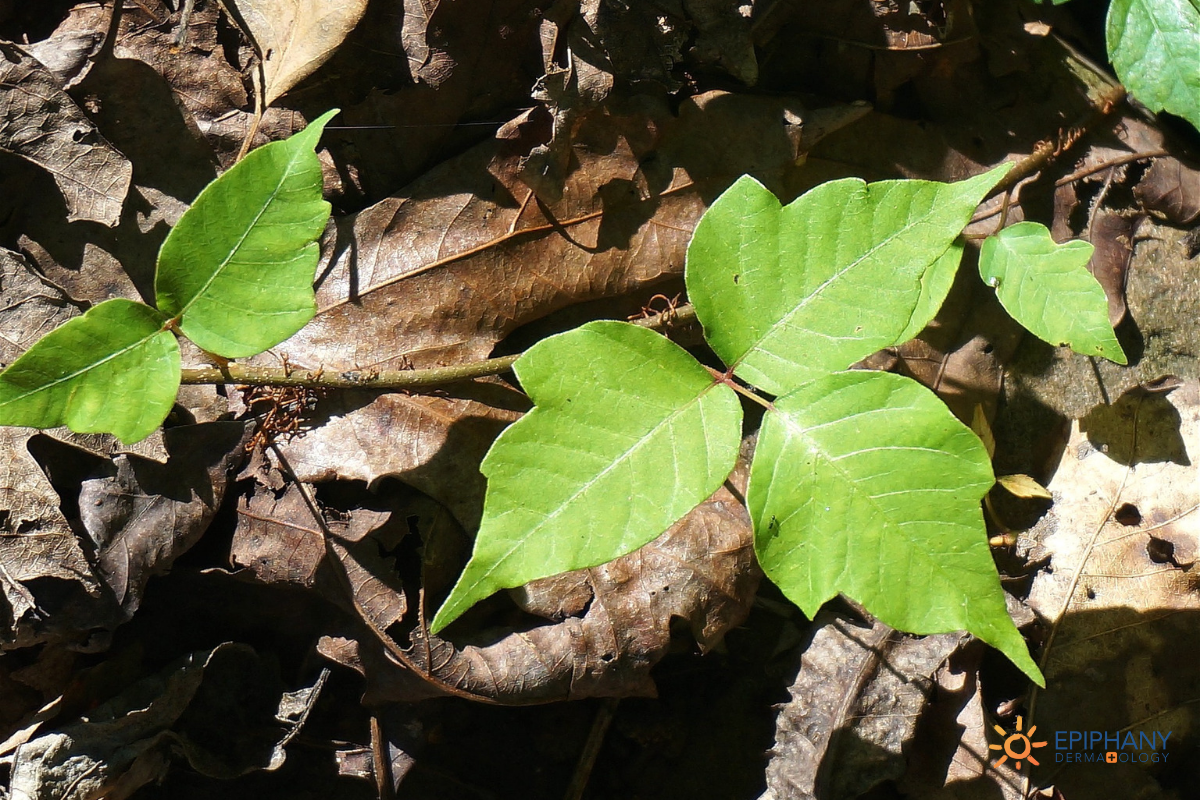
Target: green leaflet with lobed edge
(1154, 45)
(237, 271)
(865, 483)
(789, 293)
(1046, 287)
(629, 433)
(112, 370)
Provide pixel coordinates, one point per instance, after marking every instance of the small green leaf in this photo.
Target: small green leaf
(629, 433)
(1046, 287)
(865, 483)
(1154, 45)
(788, 293)
(237, 271)
(113, 370)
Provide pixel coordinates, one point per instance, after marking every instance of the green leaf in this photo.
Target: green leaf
(629, 433)
(789, 293)
(237, 271)
(1154, 46)
(1046, 287)
(113, 370)
(865, 483)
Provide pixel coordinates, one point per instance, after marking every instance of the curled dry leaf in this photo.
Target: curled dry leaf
(701, 571)
(856, 701)
(41, 123)
(294, 37)
(1119, 595)
(140, 514)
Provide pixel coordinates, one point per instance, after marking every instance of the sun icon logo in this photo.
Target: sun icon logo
(1013, 742)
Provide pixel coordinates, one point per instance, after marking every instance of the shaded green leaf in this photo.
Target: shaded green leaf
(112, 370)
(865, 483)
(629, 433)
(1046, 287)
(786, 293)
(237, 271)
(1154, 45)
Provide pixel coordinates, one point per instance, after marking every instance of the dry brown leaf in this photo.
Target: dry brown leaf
(35, 539)
(1171, 188)
(193, 709)
(854, 706)
(294, 37)
(41, 123)
(142, 514)
(701, 571)
(277, 538)
(433, 443)
(1119, 595)
(952, 758)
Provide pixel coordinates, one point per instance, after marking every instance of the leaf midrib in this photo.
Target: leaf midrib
(284, 176)
(852, 482)
(786, 318)
(625, 456)
(83, 371)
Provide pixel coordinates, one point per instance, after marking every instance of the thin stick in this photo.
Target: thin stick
(591, 749)
(390, 380)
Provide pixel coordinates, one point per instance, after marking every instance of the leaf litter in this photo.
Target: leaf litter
(588, 197)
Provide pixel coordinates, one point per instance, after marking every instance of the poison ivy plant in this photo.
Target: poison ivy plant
(235, 275)
(1046, 287)
(863, 482)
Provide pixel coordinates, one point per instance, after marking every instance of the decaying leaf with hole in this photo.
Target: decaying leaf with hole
(1118, 601)
(41, 123)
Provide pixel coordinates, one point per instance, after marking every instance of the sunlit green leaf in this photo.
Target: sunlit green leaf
(1046, 287)
(237, 271)
(864, 483)
(1155, 47)
(787, 293)
(629, 433)
(112, 370)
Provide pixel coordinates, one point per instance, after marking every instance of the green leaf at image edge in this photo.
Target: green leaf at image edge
(788, 293)
(864, 483)
(629, 433)
(237, 271)
(112, 370)
(1154, 45)
(1046, 287)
